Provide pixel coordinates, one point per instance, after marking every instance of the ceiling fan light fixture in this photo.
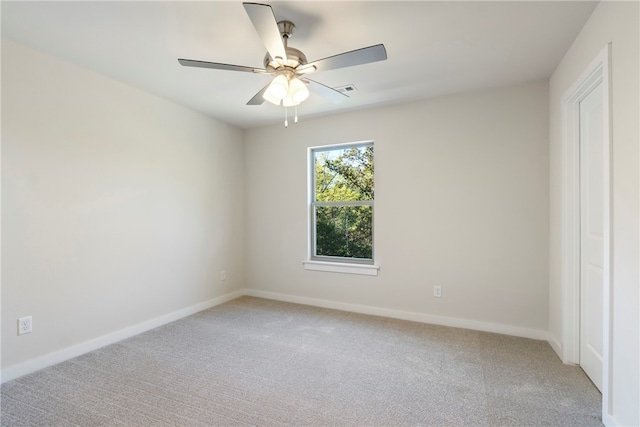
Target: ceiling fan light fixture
(279, 87)
(272, 99)
(298, 91)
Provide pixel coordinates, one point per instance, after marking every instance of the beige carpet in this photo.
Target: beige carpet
(258, 362)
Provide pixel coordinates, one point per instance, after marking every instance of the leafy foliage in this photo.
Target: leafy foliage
(344, 176)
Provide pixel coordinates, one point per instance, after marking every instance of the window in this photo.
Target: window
(341, 204)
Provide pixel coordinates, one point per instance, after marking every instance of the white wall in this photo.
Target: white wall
(461, 201)
(117, 206)
(615, 22)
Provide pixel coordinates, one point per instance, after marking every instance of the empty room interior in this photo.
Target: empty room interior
(190, 233)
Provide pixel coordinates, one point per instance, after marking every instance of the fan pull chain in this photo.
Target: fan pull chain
(296, 118)
(286, 121)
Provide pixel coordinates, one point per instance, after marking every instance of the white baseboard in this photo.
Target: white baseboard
(555, 345)
(50, 359)
(407, 315)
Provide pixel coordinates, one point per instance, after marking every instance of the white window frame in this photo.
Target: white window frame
(329, 263)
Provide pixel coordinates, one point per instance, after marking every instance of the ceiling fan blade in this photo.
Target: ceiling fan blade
(219, 66)
(258, 99)
(347, 59)
(325, 91)
(264, 21)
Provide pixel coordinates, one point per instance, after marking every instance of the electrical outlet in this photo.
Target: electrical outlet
(24, 325)
(437, 291)
(223, 275)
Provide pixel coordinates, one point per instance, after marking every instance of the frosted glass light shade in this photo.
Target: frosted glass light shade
(279, 87)
(272, 99)
(298, 91)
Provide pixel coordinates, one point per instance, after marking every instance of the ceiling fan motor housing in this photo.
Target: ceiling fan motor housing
(295, 58)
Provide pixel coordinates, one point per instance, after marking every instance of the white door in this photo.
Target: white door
(592, 234)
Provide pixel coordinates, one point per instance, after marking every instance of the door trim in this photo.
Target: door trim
(597, 72)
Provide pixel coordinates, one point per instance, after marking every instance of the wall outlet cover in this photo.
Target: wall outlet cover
(24, 325)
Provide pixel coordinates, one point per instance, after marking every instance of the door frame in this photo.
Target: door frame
(597, 72)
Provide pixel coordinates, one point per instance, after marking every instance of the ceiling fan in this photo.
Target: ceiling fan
(290, 85)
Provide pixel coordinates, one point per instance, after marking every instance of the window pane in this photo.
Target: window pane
(344, 231)
(344, 174)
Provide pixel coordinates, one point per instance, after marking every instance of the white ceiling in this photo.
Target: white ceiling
(434, 47)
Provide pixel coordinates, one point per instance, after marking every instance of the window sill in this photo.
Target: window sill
(339, 267)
